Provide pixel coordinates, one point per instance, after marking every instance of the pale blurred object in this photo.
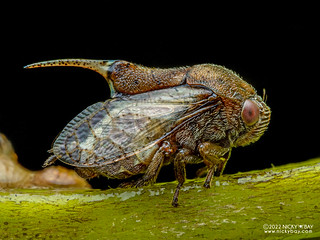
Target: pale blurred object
(13, 175)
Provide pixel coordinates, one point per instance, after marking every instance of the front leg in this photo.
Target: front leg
(215, 157)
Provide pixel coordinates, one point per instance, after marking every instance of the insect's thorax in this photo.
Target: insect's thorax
(220, 127)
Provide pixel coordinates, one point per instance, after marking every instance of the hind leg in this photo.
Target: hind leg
(153, 169)
(50, 160)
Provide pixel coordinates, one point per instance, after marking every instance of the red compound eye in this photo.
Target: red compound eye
(250, 112)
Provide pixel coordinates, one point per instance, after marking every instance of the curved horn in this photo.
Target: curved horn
(99, 66)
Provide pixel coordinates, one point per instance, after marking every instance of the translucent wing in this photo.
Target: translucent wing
(122, 127)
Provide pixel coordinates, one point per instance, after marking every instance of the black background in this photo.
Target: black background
(273, 49)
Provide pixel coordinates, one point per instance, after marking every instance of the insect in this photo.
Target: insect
(155, 116)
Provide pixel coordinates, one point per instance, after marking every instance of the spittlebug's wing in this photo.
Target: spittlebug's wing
(122, 127)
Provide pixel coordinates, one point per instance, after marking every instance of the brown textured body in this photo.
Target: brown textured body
(158, 116)
(131, 78)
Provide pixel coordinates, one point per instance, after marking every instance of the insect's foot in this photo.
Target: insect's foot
(175, 203)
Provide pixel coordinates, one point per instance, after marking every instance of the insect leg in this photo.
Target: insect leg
(182, 158)
(202, 172)
(207, 182)
(155, 165)
(215, 157)
(180, 173)
(51, 160)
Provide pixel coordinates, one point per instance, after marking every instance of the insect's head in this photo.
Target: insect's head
(255, 115)
(246, 113)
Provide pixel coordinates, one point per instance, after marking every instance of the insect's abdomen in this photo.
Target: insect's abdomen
(130, 166)
(136, 164)
(131, 78)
